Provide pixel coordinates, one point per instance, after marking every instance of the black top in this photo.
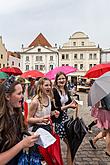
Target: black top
(58, 105)
(18, 134)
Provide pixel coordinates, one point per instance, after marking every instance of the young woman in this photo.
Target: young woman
(62, 102)
(11, 123)
(40, 107)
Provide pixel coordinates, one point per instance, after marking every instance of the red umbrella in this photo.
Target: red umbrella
(66, 69)
(11, 70)
(97, 70)
(32, 73)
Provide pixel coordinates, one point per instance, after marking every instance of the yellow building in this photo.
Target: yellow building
(3, 54)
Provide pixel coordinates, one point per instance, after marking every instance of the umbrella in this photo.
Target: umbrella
(32, 74)
(75, 131)
(97, 70)
(66, 69)
(3, 75)
(99, 89)
(11, 70)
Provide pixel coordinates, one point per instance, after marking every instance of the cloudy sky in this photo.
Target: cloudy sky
(22, 20)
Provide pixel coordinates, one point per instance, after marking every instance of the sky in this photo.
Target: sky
(22, 20)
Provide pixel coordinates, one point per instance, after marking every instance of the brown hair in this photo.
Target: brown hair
(11, 120)
(56, 80)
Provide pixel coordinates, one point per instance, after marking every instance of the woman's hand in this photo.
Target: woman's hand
(45, 119)
(56, 113)
(29, 141)
(73, 104)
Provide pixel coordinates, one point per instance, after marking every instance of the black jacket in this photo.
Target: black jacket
(58, 105)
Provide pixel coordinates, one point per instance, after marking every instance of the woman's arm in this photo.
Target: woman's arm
(32, 119)
(28, 141)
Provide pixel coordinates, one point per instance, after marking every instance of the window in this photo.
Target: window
(95, 56)
(90, 56)
(67, 56)
(74, 43)
(51, 58)
(19, 64)
(75, 65)
(67, 64)
(94, 64)
(39, 50)
(51, 67)
(12, 62)
(81, 56)
(37, 58)
(90, 66)
(27, 67)
(75, 56)
(1, 56)
(27, 58)
(63, 64)
(81, 66)
(41, 67)
(63, 56)
(82, 43)
(0, 65)
(40, 58)
(3, 65)
(36, 67)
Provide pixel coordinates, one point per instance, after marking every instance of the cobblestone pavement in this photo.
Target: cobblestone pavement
(85, 154)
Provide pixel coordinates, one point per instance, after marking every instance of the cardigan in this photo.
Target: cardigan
(58, 105)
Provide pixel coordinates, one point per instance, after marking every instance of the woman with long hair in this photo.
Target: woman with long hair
(62, 102)
(11, 123)
(40, 107)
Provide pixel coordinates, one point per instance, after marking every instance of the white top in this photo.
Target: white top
(64, 98)
(45, 111)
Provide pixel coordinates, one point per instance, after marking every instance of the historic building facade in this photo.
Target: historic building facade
(80, 53)
(39, 55)
(3, 54)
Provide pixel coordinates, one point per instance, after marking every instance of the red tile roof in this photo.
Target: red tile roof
(40, 40)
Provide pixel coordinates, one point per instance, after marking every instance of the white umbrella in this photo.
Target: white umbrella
(99, 89)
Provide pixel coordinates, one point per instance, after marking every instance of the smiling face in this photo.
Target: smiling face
(15, 98)
(61, 81)
(46, 87)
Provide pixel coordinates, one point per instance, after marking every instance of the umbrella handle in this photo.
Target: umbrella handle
(76, 113)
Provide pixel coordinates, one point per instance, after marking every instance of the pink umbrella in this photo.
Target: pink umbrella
(66, 69)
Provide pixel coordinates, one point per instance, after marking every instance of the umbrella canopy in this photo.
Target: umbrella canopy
(32, 74)
(11, 71)
(66, 69)
(97, 70)
(3, 75)
(75, 131)
(99, 89)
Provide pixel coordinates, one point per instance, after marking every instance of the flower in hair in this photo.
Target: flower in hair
(9, 82)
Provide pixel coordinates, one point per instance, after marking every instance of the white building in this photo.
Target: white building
(13, 59)
(39, 55)
(105, 56)
(80, 53)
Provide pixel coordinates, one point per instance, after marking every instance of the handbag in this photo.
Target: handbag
(52, 154)
(29, 158)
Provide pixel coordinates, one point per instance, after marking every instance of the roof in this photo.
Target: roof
(14, 54)
(40, 40)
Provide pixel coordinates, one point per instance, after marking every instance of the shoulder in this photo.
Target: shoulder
(35, 101)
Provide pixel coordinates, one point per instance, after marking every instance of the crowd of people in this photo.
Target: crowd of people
(48, 102)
